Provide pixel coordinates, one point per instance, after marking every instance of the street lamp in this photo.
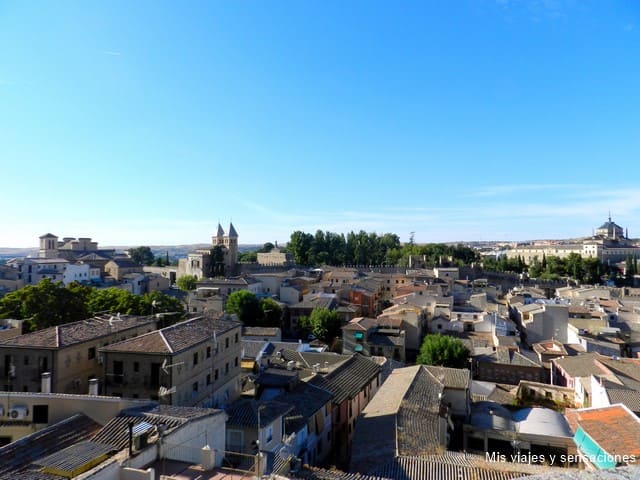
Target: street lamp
(259, 453)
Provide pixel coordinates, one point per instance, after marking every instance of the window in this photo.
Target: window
(226, 342)
(358, 335)
(208, 379)
(235, 362)
(195, 358)
(136, 366)
(269, 433)
(215, 374)
(194, 387)
(237, 338)
(226, 368)
(118, 371)
(26, 360)
(208, 352)
(41, 414)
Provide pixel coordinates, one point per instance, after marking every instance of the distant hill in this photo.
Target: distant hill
(175, 251)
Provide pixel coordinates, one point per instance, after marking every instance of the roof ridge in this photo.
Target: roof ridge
(164, 339)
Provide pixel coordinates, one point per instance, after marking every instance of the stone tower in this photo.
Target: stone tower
(48, 246)
(229, 243)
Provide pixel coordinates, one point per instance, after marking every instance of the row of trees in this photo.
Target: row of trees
(144, 256)
(583, 270)
(49, 304)
(362, 248)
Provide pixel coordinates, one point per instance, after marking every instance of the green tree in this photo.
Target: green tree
(304, 327)
(300, 245)
(248, 257)
(187, 282)
(141, 255)
(630, 270)
(246, 305)
(443, 350)
(266, 248)
(271, 313)
(114, 300)
(535, 268)
(325, 324)
(162, 260)
(157, 303)
(45, 304)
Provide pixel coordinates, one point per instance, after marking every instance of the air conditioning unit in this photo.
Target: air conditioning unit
(17, 413)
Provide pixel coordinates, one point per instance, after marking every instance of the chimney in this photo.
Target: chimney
(45, 382)
(93, 386)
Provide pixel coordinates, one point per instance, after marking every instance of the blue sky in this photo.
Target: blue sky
(148, 122)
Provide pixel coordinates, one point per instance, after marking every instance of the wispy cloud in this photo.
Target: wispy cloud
(111, 53)
(507, 189)
(491, 216)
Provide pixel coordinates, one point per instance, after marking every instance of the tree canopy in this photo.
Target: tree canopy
(246, 305)
(364, 248)
(322, 323)
(142, 255)
(187, 282)
(443, 350)
(584, 270)
(254, 312)
(48, 304)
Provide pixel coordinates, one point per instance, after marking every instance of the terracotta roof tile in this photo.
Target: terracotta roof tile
(177, 337)
(615, 428)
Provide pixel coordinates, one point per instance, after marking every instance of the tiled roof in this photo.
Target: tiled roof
(629, 367)
(122, 262)
(506, 356)
(315, 473)
(450, 377)
(581, 365)
(277, 377)
(454, 465)
(417, 418)
(252, 348)
(178, 337)
(16, 458)
(260, 331)
(244, 412)
(400, 419)
(116, 431)
(306, 400)
(77, 332)
(418, 468)
(386, 340)
(319, 301)
(75, 456)
(615, 429)
(361, 324)
(627, 396)
(349, 378)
